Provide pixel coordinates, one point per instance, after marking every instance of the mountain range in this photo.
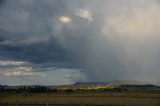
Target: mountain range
(116, 82)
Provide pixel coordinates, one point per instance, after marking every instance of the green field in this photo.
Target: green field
(89, 99)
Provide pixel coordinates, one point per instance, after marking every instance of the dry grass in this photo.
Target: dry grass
(99, 99)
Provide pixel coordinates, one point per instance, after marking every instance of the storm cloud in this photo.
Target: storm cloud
(106, 40)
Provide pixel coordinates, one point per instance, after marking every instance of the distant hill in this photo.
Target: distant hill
(116, 82)
(118, 85)
(140, 87)
(91, 83)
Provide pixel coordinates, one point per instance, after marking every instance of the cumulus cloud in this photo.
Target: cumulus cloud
(64, 19)
(84, 14)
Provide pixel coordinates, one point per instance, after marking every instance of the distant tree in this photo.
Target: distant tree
(68, 91)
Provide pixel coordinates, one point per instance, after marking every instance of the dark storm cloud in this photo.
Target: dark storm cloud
(107, 39)
(1, 2)
(26, 31)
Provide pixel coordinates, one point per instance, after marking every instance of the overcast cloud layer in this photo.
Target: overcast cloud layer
(104, 40)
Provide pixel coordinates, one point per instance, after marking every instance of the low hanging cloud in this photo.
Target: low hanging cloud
(75, 78)
(7, 63)
(23, 72)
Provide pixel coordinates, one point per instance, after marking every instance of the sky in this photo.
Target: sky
(57, 42)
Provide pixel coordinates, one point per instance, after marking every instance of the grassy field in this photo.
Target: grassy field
(90, 99)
